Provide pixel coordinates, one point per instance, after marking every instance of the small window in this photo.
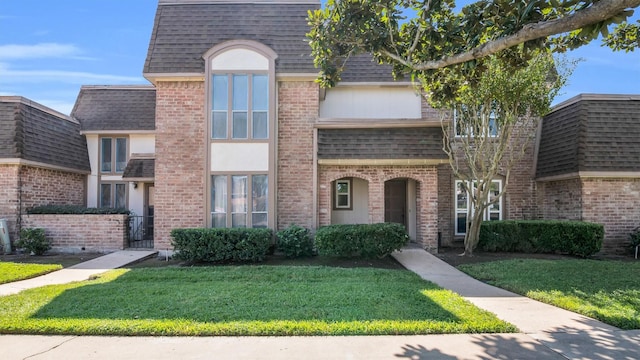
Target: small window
(464, 128)
(343, 194)
(463, 204)
(113, 155)
(113, 195)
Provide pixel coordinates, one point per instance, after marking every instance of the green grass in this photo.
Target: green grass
(10, 272)
(246, 300)
(605, 290)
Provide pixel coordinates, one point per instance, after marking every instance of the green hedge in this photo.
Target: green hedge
(295, 242)
(363, 240)
(221, 245)
(542, 236)
(34, 241)
(74, 209)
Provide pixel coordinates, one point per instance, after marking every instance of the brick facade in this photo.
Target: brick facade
(23, 187)
(78, 233)
(297, 113)
(181, 151)
(426, 178)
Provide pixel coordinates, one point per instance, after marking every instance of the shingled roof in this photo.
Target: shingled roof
(383, 143)
(591, 133)
(33, 132)
(141, 169)
(184, 30)
(105, 108)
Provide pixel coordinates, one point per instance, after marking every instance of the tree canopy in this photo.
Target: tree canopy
(421, 37)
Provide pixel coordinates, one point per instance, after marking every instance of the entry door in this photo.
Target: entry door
(395, 201)
(148, 216)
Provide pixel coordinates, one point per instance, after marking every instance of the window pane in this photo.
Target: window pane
(343, 200)
(239, 194)
(121, 154)
(121, 196)
(461, 223)
(105, 195)
(219, 194)
(219, 127)
(219, 220)
(239, 125)
(259, 189)
(342, 187)
(240, 92)
(461, 196)
(260, 93)
(238, 220)
(105, 152)
(220, 92)
(260, 125)
(494, 216)
(494, 191)
(259, 220)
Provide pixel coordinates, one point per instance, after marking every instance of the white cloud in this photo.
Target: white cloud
(38, 51)
(11, 76)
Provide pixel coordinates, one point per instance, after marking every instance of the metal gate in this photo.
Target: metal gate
(140, 234)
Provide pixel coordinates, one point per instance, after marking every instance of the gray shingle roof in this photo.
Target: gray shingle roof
(385, 143)
(183, 32)
(593, 133)
(140, 169)
(30, 131)
(103, 108)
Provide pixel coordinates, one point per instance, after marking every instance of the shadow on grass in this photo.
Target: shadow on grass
(256, 294)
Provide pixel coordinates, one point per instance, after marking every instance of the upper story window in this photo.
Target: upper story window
(467, 123)
(113, 154)
(240, 106)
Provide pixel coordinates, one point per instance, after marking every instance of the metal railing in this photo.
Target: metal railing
(140, 232)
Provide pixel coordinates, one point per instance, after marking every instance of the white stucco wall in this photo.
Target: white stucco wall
(92, 179)
(360, 211)
(142, 144)
(360, 102)
(240, 157)
(240, 59)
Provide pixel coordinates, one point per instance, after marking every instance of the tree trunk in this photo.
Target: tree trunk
(472, 236)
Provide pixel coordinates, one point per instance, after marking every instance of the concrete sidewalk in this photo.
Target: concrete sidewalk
(547, 333)
(78, 272)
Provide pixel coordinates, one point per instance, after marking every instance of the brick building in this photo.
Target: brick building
(235, 132)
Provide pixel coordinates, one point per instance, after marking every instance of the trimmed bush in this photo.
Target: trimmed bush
(34, 241)
(295, 241)
(362, 240)
(542, 236)
(221, 245)
(75, 210)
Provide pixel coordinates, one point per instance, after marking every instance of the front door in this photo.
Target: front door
(148, 212)
(395, 201)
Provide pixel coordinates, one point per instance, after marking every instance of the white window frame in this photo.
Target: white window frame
(492, 120)
(249, 198)
(349, 194)
(488, 212)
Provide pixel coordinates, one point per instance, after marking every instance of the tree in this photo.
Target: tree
(494, 126)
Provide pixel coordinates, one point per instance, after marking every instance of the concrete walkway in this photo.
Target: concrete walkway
(79, 272)
(547, 333)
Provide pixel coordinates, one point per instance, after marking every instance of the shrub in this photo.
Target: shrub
(543, 236)
(33, 240)
(295, 241)
(221, 245)
(634, 237)
(363, 240)
(74, 209)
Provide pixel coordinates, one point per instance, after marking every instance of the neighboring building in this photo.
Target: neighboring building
(43, 159)
(235, 132)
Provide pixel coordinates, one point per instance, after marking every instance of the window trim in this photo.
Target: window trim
(249, 199)
(487, 213)
(349, 183)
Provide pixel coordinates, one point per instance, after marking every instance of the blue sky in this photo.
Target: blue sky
(48, 49)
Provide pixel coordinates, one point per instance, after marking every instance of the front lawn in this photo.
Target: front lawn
(605, 290)
(10, 272)
(246, 300)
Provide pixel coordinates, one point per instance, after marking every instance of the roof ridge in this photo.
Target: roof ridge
(36, 105)
(118, 87)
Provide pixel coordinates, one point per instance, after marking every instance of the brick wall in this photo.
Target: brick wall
(614, 203)
(181, 151)
(38, 187)
(446, 215)
(77, 233)
(426, 178)
(562, 199)
(297, 112)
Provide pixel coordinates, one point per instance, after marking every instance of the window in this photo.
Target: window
(466, 127)
(113, 195)
(235, 190)
(240, 106)
(463, 203)
(113, 154)
(342, 194)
